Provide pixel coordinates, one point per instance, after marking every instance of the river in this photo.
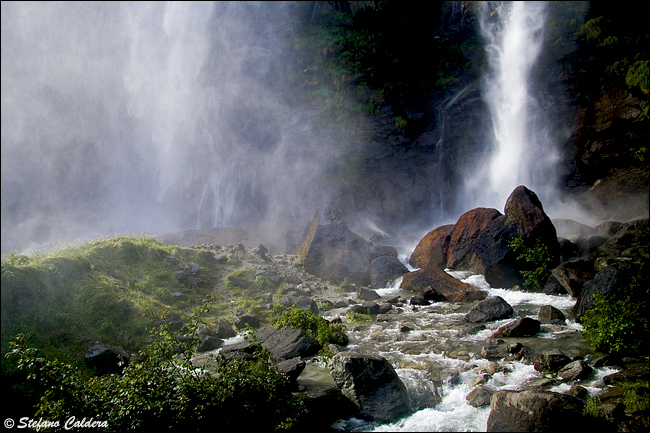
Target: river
(436, 353)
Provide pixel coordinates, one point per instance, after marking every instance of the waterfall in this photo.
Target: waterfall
(519, 148)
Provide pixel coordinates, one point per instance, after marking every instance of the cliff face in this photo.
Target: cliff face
(415, 173)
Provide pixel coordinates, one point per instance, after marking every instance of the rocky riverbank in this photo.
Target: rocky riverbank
(452, 316)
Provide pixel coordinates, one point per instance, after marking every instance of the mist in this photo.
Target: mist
(149, 117)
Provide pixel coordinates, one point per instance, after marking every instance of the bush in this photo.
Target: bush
(323, 331)
(164, 390)
(614, 326)
(538, 258)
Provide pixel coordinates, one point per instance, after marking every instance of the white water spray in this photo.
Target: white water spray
(520, 149)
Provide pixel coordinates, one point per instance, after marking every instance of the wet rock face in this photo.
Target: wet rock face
(492, 308)
(372, 384)
(332, 252)
(534, 411)
(435, 284)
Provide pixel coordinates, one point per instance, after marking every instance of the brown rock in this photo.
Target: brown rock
(437, 285)
(431, 251)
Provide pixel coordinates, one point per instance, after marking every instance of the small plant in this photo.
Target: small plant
(538, 258)
(356, 317)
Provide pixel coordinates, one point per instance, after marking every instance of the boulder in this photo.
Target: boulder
(480, 240)
(385, 270)
(287, 343)
(366, 294)
(534, 410)
(479, 396)
(436, 285)
(573, 274)
(628, 236)
(292, 368)
(466, 252)
(431, 251)
(609, 281)
(377, 251)
(332, 252)
(209, 343)
(521, 327)
(323, 400)
(247, 320)
(372, 384)
(575, 370)
(492, 308)
(106, 360)
(224, 330)
(548, 314)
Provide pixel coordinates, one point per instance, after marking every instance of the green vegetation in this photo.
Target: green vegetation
(538, 258)
(182, 396)
(615, 326)
(320, 329)
(356, 317)
(112, 290)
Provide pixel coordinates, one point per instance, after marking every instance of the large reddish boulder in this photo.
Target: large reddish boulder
(480, 240)
(465, 253)
(431, 251)
(436, 285)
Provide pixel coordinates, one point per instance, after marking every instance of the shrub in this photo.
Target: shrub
(614, 326)
(164, 390)
(536, 257)
(323, 331)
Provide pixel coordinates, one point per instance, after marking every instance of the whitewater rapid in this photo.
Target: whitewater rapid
(438, 357)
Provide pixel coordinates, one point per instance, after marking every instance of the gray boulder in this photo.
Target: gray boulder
(287, 343)
(550, 315)
(384, 270)
(332, 252)
(372, 384)
(520, 327)
(492, 308)
(534, 410)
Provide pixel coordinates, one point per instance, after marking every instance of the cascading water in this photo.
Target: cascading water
(520, 151)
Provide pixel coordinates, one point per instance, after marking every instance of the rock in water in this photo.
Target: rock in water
(435, 284)
(372, 384)
(332, 252)
(531, 410)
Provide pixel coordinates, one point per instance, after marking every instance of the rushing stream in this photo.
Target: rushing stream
(436, 353)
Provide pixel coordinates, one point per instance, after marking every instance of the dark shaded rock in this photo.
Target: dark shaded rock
(332, 252)
(366, 294)
(575, 370)
(324, 401)
(533, 410)
(431, 251)
(384, 270)
(307, 304)
(209, 343)
(224, 330)
(247, 320)
(287, 343)
(372, 385)
(521, 327)
(377, 251)
(291, 368)
(106, 360)
(494, 349)
(492, 308)
(551, 360)
(173, 322)
(436, 285)
(550, 314)
(628, 236)
(609, 281)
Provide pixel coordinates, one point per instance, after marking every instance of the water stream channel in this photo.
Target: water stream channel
(437, 354)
